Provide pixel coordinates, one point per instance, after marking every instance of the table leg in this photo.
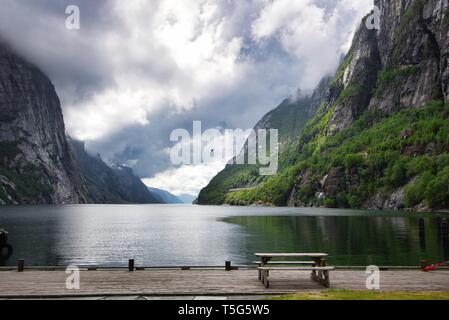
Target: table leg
(266, 282)
(320, 273)
(263, 263)
(327, 282)
(314, 274)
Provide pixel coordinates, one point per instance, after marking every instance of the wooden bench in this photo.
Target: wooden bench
(322, 277)
(320, 273)
(280, 263)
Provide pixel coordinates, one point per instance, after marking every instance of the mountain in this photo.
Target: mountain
(289, 118)
(379, 136)
(187, 198)
(166, 196)
(111, 185)
(37, 165)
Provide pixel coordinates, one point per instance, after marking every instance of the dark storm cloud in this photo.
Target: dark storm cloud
(137, 70)
(73, 60)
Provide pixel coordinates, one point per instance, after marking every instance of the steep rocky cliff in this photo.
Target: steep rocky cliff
(36, 161)
(116, 184)
(380, 137)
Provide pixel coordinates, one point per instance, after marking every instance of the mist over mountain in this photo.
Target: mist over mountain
(187, 198)
(376, 137)
(166, 196)
(39, 164)
(116, 184)
(136, 71)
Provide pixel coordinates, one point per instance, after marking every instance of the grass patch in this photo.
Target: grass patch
(27, 182)
(350, 91)
(394, 77)
(366, 295)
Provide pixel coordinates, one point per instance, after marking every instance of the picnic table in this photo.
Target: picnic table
(316, 263)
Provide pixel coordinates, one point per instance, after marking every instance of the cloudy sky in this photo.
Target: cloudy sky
(136, 70)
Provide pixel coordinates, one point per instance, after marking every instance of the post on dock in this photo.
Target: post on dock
(424, 263)
(20, 265)
(131, 264)
(228, 265)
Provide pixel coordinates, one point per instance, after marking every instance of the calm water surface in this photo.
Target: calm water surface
(169, 235)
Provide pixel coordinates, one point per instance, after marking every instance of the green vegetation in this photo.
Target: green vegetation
(390, 77)
(3, 195)
(342, 69)
(378, 154)
(351, 90)
(26, 182)
(366, 295)
(9, 150)
(352, 235)
(410, 17)
(289, 118)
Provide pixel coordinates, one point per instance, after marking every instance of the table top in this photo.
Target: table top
(291, 255)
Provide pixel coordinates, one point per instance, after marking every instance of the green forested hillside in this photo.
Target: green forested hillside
(381, 153)
(379, 134)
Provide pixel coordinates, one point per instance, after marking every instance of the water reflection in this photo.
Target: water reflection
(443, 236)
(351, 240)
(157, 235)
(422, 234)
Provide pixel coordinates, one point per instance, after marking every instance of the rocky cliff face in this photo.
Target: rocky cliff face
(36, 161)
(413, 48)
(106, 185)
(402, 65)
(379, 139)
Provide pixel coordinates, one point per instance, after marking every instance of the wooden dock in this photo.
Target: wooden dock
(210, 282)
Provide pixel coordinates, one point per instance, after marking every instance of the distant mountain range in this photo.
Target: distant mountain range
(170, 198)
(165, 196)
(187, 198)
(105, 184)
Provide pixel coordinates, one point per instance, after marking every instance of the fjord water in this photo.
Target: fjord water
(181, 235)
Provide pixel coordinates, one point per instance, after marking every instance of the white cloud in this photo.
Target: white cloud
(172, 53)
(138, 64)
(310, 33)
(189, 179)
(216, 148)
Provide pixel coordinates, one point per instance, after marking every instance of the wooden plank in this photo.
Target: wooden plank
(160, 282)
